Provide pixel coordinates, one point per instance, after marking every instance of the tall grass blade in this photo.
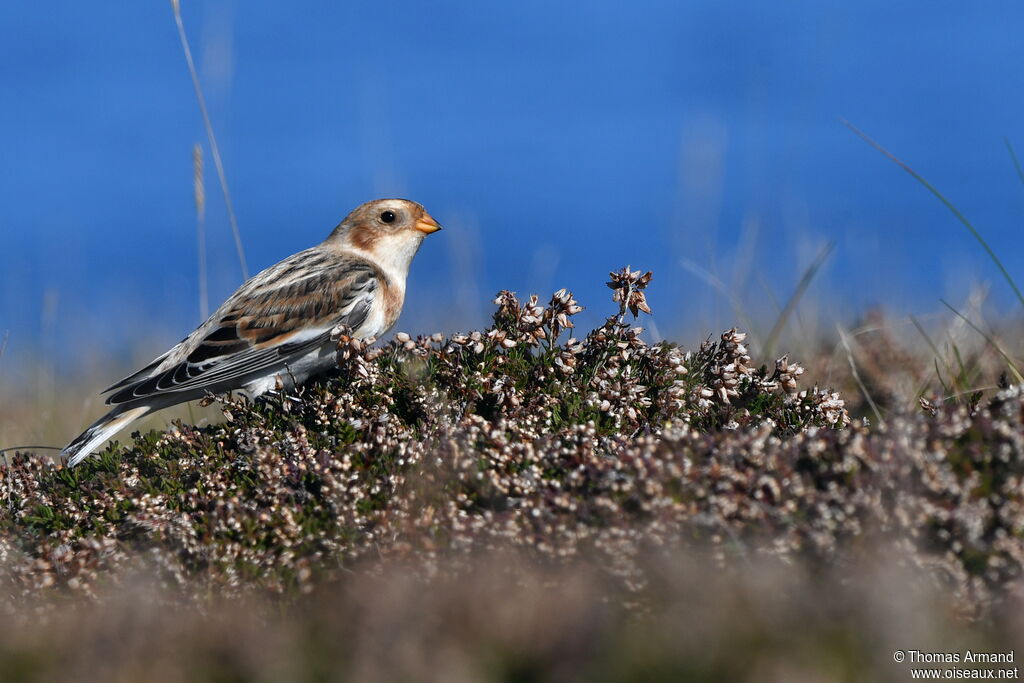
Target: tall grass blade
(214, 149)
(1014, 370)
(927, 339)
(856, 374)
(963, 377)
(949, 205)
(805, 282)
(1013, 157)
(935, 356)
(945, 389)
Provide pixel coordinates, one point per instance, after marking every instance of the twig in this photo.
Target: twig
(214, 149)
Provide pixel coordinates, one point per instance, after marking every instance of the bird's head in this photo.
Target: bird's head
(389, 231)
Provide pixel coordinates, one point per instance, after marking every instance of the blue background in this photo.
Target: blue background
(554, 141)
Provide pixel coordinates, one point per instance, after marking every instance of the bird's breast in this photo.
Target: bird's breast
(394, 297)
(383, 313)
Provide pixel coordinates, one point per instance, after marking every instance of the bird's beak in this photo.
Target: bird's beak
(426, 224)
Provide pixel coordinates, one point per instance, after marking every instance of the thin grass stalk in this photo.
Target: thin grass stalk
(935, 356)
(968, 392)
(963, 378)
(1014, 370)
(214, 149)
(199, 193)
(1013, 157)
(769, 293)
(805, 282)
(856, 375)
(949, 205)
(723, 289)
(938, 373)
(927, 339)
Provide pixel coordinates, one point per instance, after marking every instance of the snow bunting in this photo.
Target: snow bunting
(277, 328)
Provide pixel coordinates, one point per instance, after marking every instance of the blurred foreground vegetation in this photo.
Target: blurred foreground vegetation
(518, 503)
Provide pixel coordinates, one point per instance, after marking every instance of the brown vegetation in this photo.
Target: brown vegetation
(510, 502)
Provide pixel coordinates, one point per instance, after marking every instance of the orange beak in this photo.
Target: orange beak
(426, 224)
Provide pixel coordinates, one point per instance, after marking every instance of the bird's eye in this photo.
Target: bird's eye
(388, 216)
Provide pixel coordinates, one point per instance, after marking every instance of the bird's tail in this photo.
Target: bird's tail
(101, 430)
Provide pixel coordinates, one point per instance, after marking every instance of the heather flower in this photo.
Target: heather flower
(427, 450)
(628, 286)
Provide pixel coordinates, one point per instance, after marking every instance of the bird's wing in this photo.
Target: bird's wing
(273, 319)
(146, 371)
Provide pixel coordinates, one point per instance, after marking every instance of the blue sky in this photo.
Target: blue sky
(555, 141)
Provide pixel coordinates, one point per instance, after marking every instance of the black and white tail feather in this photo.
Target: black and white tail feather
(100, 431)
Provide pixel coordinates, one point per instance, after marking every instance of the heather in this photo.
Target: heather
(542, 492)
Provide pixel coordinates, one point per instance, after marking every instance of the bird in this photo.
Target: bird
(280, 327)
